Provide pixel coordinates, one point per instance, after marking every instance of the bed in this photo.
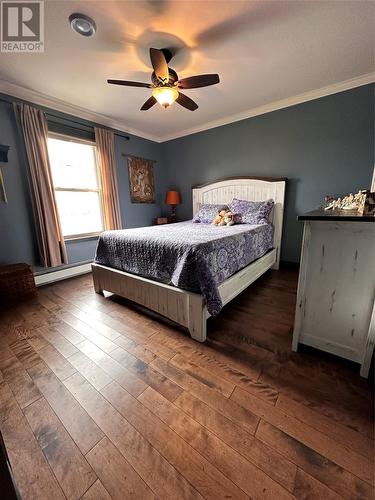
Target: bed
(186, 271)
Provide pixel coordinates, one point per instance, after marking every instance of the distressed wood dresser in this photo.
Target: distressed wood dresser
(335, 298)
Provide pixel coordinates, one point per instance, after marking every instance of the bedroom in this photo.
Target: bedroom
(181, 359)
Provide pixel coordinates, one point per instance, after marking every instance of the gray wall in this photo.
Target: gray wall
(17, 241)
(16, 224)
(325, 146)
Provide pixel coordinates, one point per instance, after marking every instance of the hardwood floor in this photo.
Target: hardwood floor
(100, 401)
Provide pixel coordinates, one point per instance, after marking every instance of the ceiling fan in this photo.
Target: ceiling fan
(165, 83)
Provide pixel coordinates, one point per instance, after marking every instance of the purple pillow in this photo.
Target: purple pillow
(252, 212)
(207, 212)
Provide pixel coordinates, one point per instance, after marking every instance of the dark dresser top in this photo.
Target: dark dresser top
(336, 215)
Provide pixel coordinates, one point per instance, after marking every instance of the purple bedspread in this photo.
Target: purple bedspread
(194, 257)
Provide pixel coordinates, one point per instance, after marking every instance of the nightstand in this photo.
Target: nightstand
(161, 220)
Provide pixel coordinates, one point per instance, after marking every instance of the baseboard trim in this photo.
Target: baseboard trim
(62, 274)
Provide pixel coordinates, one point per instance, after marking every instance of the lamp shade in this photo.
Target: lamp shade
(172, 198)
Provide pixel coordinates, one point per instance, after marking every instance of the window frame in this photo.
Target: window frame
(99, 190)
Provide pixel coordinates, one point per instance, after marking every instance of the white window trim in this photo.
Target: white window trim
(84, 236)
(68, 138)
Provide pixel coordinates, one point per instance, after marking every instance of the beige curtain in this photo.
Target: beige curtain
(105, 146)
(51, 245)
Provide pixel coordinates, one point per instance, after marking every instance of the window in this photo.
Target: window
(77, 187)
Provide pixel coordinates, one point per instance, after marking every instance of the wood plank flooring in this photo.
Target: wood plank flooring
(99, 400)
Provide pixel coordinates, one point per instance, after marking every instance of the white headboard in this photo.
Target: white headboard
(250, 189)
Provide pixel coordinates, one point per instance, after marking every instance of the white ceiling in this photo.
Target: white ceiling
(264, 51)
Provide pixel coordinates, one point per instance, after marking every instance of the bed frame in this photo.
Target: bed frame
(186, 308)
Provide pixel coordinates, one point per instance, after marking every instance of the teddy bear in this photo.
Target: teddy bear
(224, 218)
(228, 218)
(218, 220)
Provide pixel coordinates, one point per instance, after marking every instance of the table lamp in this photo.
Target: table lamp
(173, 199)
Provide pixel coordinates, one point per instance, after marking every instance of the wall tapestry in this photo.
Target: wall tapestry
(141, 180)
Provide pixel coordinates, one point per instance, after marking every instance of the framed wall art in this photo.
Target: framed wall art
(141, 179)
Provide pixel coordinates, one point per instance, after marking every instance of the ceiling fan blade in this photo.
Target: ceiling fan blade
(130, 84)
(193, 82)
(186, 102)
(159, 64)
(149, 103)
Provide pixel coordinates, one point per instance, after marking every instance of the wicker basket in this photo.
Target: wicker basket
(16, 281)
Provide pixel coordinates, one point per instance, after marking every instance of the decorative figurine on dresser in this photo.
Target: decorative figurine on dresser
(336, 286)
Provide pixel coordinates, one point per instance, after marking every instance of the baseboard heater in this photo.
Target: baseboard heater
(62, 274)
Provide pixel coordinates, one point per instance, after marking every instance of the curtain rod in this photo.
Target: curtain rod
(12, 99)
(116, 132)
(122, 135)
(135, 156)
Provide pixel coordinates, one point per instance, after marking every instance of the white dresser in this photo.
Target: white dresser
(336, 286)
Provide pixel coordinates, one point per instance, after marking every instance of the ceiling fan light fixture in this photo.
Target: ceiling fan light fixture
(82, 24)
(166, 84)
(165, 95)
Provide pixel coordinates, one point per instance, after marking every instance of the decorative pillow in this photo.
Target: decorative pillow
(252, 212)
(207, 212)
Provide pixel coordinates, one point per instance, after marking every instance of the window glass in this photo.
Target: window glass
(79, 212)
(77, 189)
(73, 164)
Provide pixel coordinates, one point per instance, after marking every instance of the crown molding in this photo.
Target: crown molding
(276, 105)
(70, 109)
